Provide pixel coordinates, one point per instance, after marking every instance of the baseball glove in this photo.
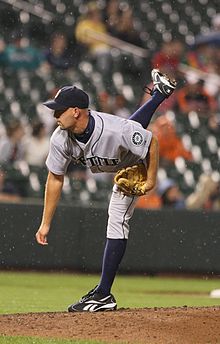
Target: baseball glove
(132, 180)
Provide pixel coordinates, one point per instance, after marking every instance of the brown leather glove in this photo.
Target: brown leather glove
(132, 181)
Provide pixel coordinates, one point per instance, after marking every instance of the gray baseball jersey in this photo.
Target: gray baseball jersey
(115, 143)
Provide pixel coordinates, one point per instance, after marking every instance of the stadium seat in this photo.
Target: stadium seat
(21, 92)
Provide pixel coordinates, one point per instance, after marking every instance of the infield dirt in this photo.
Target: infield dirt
(183, 325)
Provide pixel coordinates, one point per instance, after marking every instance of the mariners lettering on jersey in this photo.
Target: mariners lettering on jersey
(98, 161)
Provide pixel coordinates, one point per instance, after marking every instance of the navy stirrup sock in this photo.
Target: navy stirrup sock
(113, 254)
(144, 114)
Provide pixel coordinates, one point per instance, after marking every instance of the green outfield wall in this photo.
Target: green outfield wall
(160, 241)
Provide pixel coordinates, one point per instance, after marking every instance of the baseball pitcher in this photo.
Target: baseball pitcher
(103, 143)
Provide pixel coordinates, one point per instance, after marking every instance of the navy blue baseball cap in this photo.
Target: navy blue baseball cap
(67, 97)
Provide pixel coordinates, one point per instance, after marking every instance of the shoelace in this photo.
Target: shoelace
(147, 90)
(90, 293)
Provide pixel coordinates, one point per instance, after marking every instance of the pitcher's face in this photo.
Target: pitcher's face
(66, 119)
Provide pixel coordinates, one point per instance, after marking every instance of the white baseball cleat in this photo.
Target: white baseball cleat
(163, 83)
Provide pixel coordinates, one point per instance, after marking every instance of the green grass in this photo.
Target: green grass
(46, 292)
(50, 292)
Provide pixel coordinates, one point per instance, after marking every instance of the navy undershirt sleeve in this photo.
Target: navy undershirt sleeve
(144, 114)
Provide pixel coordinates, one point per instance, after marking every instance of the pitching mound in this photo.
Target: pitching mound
(153, 325)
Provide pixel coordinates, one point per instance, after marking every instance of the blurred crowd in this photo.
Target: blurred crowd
(98, 35)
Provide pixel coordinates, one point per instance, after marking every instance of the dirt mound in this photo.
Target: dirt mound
(183, 325)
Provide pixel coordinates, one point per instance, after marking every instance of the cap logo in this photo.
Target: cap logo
(57, 94)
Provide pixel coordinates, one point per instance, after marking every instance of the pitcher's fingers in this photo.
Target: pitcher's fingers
(41, 239)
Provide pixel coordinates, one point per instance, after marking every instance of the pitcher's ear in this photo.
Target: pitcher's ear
(76, 112)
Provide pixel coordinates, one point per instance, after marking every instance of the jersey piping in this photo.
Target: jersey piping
(123, 229)
(98, 167)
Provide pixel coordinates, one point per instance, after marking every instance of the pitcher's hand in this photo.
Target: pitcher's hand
(41, 235)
